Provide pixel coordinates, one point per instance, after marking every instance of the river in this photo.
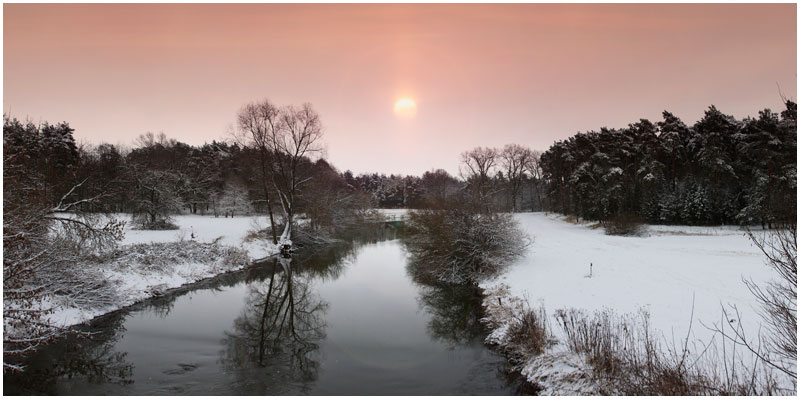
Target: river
(346, 320)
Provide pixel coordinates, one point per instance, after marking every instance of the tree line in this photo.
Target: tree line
(719, 171)
(160, 177)
(254, 172)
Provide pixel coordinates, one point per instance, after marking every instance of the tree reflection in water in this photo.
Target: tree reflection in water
(273, 347)
(279, 331)
(91, 357)
(455, 311)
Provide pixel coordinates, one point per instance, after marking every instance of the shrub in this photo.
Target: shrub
(160, 256)
(530, 333)
(143, 222)
(460, 246)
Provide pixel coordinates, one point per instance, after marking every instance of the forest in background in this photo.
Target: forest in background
(718, 171)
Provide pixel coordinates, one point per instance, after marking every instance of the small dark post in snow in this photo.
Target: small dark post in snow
(590, 271)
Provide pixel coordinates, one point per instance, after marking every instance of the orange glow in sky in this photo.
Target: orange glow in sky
(489, 74)
(405, 108)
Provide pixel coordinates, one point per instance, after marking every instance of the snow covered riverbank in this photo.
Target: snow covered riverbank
(136, 273)
(202, 247)
(672, 273)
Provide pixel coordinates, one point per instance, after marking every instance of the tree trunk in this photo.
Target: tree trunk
(266, 196)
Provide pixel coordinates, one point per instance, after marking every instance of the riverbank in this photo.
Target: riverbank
(147, 263)
(363, 326)
(680, 276)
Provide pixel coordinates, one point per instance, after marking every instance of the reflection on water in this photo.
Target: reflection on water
(455, 313)
(345, 319)
(91, 357)
(279, 330)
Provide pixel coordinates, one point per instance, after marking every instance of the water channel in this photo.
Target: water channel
(345, 320)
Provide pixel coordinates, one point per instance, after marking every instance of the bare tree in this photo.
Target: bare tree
(232, 199)
(155, 197)
(330, 204)
(42, 249)
(514, 160)
(778, 298)
(149, 140)
(534, 168)
(295, 140)
(258, 122)
(476, 169)
(437, 185)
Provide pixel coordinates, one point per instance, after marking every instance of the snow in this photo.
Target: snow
(560, 372)
(667, 272)
(233, 231)
(393, 214)
(136, 279)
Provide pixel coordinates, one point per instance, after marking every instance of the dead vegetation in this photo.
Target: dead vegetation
(530, 333)
(621, 354)
(520, 331)
(626, 224)
(630, 359)
(152, 257)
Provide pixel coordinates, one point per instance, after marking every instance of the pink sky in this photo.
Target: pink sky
(480, 74)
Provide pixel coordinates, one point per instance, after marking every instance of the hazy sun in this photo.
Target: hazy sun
(405, 107)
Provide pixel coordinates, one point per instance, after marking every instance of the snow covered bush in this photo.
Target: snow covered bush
(461, 246)
(231, 200)
(161, 256)
(154, 198)
(42, 243)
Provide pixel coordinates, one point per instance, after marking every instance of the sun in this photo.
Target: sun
(405, 108)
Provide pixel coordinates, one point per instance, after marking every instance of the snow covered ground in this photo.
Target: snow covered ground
(667, 272)
(141, 278)
(206, 229)
(393, 214)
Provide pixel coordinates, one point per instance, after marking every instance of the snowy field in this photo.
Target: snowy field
(232, 231)
(661, 272)
(667, 272)
(139, 280)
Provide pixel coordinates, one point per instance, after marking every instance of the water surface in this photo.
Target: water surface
(345, 321)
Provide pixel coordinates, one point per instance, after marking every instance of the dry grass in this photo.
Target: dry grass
(530, 332)
(617, 354)
(571, 219)
(629, 360)
(625, 225)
